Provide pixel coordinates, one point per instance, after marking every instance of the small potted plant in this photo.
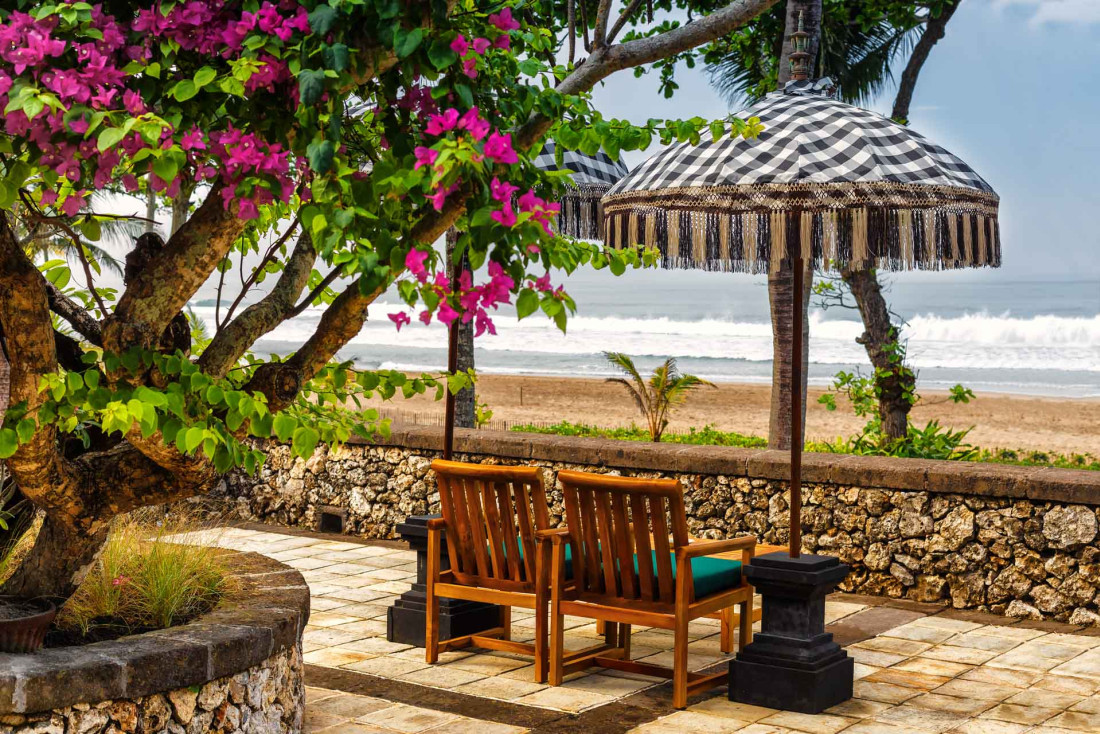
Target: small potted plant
(23, 622)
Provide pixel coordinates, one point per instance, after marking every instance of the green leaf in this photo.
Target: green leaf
(184, 90)
(405, 42)
(336, 56)
(284, 426)
(204, 76)
(304, 441)
(311, 85)
(465, 94)
(441, 54)
(322, 18)
(527, 303)
(9, 442)
(166, 168)
(25, 430)
(74, 381)
(193, 438)
(320, 155)
(109, 137)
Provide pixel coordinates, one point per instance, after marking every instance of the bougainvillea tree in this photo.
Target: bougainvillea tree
(337, 141)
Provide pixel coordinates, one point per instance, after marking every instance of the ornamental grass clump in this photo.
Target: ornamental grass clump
(147, 579)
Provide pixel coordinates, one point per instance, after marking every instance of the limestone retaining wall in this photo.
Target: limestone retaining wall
(979, 536)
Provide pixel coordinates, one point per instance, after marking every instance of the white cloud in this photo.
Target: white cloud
(1057, 11)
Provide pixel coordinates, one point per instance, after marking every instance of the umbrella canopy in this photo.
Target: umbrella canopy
(593, 176)
(825, 181)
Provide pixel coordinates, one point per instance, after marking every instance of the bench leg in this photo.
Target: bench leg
(727, 616)
(431, 616)
(680, 662)
(745, 636)
(557, 619)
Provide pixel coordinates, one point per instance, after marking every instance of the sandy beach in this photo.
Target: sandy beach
(999, 420)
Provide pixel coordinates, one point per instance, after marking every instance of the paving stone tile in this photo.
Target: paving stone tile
(894, 645)
(919, 718)
(564, 699)
(953, 654)
(376, 646)
(692, 721)
(1086, 665)
(608, 685)
(1090, 705)
(921, 633)
(365, 627)
(981, 641)
(332, 619)
(409, 719)
(907, 678)
(1022, 634)
(1002, 676)
(722, 706)
(440, 676)
(1076, 721)
(1049, 699)
(306, 563)
(349, 706)
(857, 708)
(316, 695)
(501, 687)
(883, 692)
(1068, 684)
(976, 689)
(811, 724)
(951, 704)
(335, 657)
(387, 666)
(877, 659)
(988, 726)
(330, 637)
(315, 720)
(940, 621)
(934, 667)
(871, 726)
(487, 664)
(1029, 715)
(468, 726)
(861, 671)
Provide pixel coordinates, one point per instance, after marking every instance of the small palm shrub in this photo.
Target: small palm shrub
(145, 579)
(655, 397)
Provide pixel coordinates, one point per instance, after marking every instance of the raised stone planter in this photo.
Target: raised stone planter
(976, 536)
(238, 668)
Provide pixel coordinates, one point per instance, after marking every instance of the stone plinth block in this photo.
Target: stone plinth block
(793, 664)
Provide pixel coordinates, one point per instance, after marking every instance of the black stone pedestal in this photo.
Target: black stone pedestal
(457, 618)
(792, 664)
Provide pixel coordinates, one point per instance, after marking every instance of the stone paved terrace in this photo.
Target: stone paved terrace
(920, 669)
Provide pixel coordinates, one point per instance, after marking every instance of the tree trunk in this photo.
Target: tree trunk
(56, 564)
(781, 300)
(894, 380)
(465, 399)
(781, 285)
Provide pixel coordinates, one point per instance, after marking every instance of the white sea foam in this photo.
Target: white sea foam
(972, 341)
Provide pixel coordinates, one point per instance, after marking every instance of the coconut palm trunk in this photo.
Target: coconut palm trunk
(781, 285)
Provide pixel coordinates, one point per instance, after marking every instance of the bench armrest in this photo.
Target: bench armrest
(555, 535)
(436, 523)
(714, 547)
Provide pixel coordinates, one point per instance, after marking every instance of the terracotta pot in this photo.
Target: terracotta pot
(26, 634)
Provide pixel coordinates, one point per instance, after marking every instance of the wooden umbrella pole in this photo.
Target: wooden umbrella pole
(796, 410)
(452, 367)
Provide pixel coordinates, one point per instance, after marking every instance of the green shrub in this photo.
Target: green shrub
(706, 436)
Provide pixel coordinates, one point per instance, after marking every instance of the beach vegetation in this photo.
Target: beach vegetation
(655, 397)
(706, 436)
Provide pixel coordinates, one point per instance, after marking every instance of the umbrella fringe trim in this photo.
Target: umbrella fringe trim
(766, 241)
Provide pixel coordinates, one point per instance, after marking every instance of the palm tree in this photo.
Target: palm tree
(665, 388)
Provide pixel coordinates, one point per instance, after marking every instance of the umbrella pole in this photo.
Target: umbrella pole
(452, 367)
(796, 409)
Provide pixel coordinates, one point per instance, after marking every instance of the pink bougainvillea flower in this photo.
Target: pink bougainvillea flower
(48, 198)
(247, 209)
(481, 45)
(505, 216)
(469, 68)
(499, 148)
(503, 41)
(425, 317)
(400, 319)
(460, 46)
(504, 20)
(534, 249)
(502, 190)
(439, 124)
(542, 284)
(474, 124)
(72, 204)
(193, 140)
(446, 314)
(414, 262)
(424, 157)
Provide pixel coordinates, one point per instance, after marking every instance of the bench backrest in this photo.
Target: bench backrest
(492, 513)
(613, 518)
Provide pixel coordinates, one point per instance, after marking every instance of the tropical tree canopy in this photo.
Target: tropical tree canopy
(335, 141)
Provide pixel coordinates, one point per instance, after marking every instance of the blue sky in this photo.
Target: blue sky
(1014, 89)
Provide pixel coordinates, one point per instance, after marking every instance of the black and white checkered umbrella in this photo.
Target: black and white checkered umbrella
(593, 176)
(827, 180)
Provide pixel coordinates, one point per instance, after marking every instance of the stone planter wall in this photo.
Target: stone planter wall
(238, 668)
(977, 536)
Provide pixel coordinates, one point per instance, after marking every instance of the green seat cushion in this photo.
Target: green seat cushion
(708, 575)
(568, 556)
